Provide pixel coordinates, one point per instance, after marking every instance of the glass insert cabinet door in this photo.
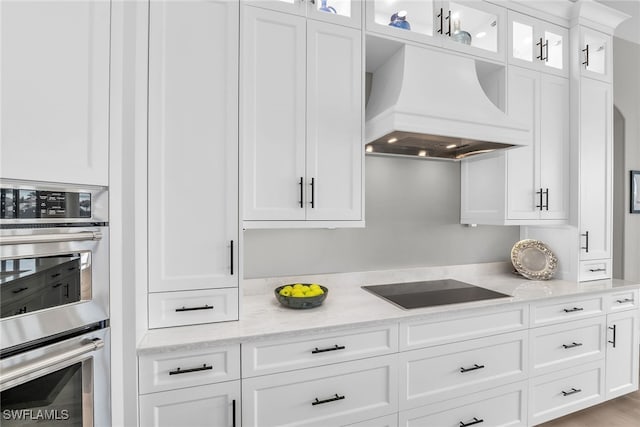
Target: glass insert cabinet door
(461, 25)
(595, 54)
(344, 12)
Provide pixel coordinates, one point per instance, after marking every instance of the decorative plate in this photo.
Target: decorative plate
(533, 259)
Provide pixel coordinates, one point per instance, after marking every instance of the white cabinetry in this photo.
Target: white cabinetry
(343, 12)
(190, 388)
(596, 54)
(301, 135)
(193, 158)
(475, 27)
(529, 184)
(537, 44)
(622, 345)
(55, 91)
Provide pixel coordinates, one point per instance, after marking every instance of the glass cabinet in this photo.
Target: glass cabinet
(343, 12)
(537, 44)
(474, 27)
(595, 54)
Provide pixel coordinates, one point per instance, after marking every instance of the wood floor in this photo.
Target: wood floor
(621, 412)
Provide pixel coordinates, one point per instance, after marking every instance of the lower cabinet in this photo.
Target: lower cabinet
(213, 405)
(336, 394)
(622, 353)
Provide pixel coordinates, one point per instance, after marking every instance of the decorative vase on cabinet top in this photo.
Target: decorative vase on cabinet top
(459, 35)
(399, 20)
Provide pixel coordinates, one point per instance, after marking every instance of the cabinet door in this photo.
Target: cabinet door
(522, 162)
(273, 118)
(596, 111)
(555, 49)
(343, 12)
(622, 353)
(423, 20)
(55, 91)
(214, 405)
(334, 117)
(193, 144)
(596, 56)
(554, 146)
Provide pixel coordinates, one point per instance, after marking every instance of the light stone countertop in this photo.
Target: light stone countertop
(348, 306)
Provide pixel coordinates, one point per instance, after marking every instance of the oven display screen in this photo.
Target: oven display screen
(36, 204)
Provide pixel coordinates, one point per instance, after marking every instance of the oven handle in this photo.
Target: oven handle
(51, 238)
(42, 364)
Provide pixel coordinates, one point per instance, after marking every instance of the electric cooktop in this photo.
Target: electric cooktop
(431, 293)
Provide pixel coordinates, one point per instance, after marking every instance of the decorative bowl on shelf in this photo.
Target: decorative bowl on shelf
(300, 301)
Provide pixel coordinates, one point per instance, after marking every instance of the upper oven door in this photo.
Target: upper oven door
(52, 280)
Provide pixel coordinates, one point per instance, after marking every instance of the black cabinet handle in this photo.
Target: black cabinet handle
(66, 290)
(572, 391)
(53, 276)
(586, 61)
(17, 291)
(233, 413)
(472, 422)
(301, 192)
(546, 195)
(613, 328)
(540, 57)
(323, 350)
(313, 193)
(449, 19)
(205, 307)
(586, 236)
(622, 301)
(539, 193)
(572, 345)
(331, 399)
(474, 368)
(231, 250)
(441, 16)
(186, 371)
(546, 51)
(595, 270)
(57, 285)
(574, 309)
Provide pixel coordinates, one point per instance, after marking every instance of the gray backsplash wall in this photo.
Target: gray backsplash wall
(412, 220)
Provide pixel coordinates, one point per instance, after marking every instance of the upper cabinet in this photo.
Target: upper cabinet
(537, 44)
(474, 27)
(301, 121)
(596, 54)
(55, 91)
(343, 12)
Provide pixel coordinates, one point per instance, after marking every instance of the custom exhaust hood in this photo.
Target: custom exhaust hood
(427, 103)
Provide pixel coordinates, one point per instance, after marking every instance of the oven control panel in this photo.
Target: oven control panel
(21, 203)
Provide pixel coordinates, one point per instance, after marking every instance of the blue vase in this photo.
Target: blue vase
(399, 20)
(325, 8)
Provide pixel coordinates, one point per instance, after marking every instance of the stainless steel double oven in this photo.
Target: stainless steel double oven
(54, 304)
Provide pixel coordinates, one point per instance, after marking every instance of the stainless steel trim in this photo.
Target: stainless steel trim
(51, 238)
(48, 365)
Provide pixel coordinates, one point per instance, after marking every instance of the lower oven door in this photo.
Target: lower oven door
(65, 383)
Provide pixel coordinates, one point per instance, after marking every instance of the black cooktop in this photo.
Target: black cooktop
(431, 293)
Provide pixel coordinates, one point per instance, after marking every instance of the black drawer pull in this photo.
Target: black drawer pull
(206, 307)
(57, 285)
(622, 301)
(572, 345)
(573, 391)
(471, 423)
(595, 270)
(71, 268)
(53, 276)
(17, 291)
(186, 371)
(475, 367)
(331, 399)
(322, 350)
(571, 310)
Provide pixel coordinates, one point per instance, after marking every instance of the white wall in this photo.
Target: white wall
(626, 87)
(413, 219)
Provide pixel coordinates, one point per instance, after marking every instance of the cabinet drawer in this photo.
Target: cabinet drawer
(444, 372)
(502, 406)
(560, 393)
(192, 307)
(386, 421)
(208, 405)
(177, 369)
(595, 270)
(625, 300)
(566, 310)
(461, 327)
(337, 394)
(561, 346)
(267, 357)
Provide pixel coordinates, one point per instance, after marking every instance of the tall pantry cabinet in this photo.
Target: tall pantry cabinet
(301, 117)
(585, 247)
(193, 162)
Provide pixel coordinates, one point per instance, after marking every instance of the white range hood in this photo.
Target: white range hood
(429, 103)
